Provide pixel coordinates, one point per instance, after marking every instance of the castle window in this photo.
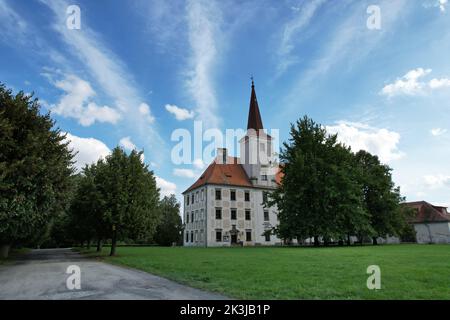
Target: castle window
(248, 235)
(267, 235)
(247, 196)
(187, 236)
(192, 236)
(196, 196)
(218, 235)
(218, 194)
(187, 217)
(264, 177)
(203, 194)
(218, 213)
(233, 195)
(247, 215)
(233, 214)
(266, 215)
(192, 199)
(192, 216)
(265, 196)
(187, 200)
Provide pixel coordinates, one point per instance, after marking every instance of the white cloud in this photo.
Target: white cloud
(199, 164)
(438, 132)
(439, 83)
(144, 109)
(185, 173)
(292, 31)
(179, 113)
(442, 4)
(408, 84)
(127, 144)
(203, 19)
(107, 69)
(381, 142)
(76, 102)
(437, 181)
(411, 84)
(167, 187)
(89, 150)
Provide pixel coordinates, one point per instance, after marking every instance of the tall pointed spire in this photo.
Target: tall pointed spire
(254, 116)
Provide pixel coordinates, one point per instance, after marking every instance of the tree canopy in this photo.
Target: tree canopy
(329, 192)
(35, 168)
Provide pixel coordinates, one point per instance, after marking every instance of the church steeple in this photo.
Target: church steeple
(254, 116)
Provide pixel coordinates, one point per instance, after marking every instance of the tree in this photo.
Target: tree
(381, 198)
(35, 166)
(170, 228)
(129, 192)
(318, 195)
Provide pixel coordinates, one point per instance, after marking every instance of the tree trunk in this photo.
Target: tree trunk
(374, 241)
(113, 244)
(4, 250)
(99, 245)
(316, 241)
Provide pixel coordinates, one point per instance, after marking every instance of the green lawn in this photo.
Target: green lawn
(407, 271)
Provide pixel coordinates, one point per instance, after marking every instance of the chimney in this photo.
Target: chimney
(221, 155)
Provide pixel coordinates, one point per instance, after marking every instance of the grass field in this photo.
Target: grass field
(407, 271)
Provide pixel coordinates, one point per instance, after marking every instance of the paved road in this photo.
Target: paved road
(41, 274)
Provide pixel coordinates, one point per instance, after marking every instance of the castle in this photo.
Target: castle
(224, 207)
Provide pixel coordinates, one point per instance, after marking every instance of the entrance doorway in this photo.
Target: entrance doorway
(234, 239)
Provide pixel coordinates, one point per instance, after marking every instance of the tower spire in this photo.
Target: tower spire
(254, 116)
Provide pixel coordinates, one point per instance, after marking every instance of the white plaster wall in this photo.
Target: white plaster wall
(432, 232)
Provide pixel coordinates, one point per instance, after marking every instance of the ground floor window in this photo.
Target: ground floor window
(248, 235)
(218, 235)
(192, 236)
(187, 236)
(267, 236)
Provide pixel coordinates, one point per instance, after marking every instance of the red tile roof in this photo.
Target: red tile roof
(231, 173)
(426, 212)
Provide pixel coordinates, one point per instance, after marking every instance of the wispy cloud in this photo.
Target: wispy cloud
(13, 26)
(292, 31)
(203, 22)
(106, 68)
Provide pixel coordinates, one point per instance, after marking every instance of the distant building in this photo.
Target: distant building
(224, 207)
(431, 223)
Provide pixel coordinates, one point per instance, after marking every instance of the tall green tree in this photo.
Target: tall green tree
(381, 198)
(170, 228)
(35, 166)
(318, 195)
(131, 197)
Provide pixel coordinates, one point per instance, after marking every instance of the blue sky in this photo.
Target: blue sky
(138, 70)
